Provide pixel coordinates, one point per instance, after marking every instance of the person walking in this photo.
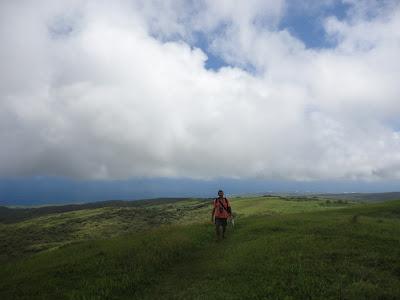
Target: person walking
(220, 214)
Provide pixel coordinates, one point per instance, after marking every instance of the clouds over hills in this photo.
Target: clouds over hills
(117, 90)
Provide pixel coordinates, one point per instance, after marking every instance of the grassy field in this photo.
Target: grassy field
(280, 248)
(49, 230)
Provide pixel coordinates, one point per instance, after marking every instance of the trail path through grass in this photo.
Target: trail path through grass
(292, 257)
(308, 251)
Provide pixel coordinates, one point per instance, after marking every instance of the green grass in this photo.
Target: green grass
(279, 249)
(274, 205)
(51, 230)
(299, 257)
(57, 229)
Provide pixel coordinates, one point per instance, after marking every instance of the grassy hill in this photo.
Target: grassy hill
(280, 248)
(363, 197)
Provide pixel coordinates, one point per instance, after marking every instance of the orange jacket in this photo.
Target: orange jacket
(221, 212)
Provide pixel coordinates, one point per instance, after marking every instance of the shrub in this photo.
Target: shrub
(354, 219)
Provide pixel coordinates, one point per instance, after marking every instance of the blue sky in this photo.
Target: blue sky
(304, 23)
(268, 95)
(307, 24)
(213, 62)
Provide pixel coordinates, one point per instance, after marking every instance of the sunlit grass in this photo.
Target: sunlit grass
(278, 249)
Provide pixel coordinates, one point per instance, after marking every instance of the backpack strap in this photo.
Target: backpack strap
(223, 206)
(228, 207)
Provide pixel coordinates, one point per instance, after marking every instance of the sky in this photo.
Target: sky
(105, 92)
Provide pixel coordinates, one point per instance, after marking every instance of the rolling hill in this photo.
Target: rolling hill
(279, 248)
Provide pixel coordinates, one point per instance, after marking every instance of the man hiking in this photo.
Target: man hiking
(220, 213)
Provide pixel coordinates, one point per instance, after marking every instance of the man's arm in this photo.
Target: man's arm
(229, 208)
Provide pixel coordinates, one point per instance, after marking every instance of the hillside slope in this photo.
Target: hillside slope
(277, 250)
(363, 197)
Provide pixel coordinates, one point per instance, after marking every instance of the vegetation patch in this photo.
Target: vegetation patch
(278, 249)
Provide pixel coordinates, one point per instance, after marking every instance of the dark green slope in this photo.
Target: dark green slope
(363, 197)
(348, 253)
(12, 215)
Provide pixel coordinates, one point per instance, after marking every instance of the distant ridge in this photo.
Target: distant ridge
(15, 214)
(364, 197)
(358, 197)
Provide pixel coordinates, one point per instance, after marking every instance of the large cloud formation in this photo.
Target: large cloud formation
(118, 89)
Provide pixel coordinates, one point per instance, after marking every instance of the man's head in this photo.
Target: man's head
(220, 193)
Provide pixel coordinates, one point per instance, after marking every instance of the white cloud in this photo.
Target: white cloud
(93, 90)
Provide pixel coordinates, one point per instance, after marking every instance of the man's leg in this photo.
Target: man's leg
(217, 231)
(223, 230)
(218, 228)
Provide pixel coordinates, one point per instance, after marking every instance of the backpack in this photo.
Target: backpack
(222, 206)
